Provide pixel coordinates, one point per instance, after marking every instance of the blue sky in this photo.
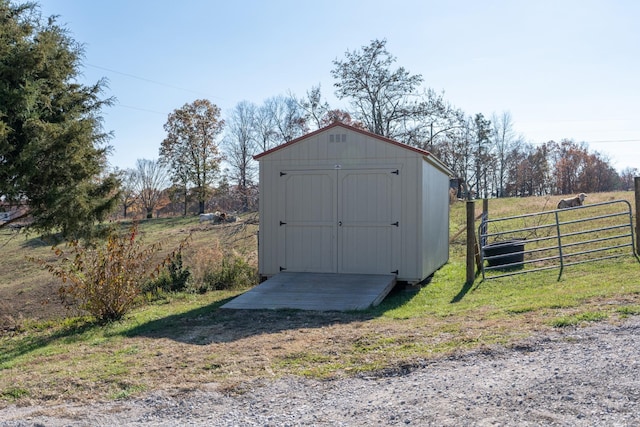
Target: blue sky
(562, 68)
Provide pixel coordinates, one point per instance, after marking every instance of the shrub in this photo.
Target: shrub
(233, 272)
(174, 278)
(106, 281)
(218, 268)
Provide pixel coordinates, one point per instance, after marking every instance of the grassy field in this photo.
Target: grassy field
(185, 341)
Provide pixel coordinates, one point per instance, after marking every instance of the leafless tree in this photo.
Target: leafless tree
(265, 128)
(390, 101)
(151, 180)
(128, 192)
(315, 109)
(240, 145)
(382, 98)
(627, 176)
(483, 156)
(288, 118)
(503, 139)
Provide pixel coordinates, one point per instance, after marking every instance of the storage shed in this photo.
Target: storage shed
(344, 200)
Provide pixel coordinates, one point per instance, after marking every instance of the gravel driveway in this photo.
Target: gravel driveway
(573, 377)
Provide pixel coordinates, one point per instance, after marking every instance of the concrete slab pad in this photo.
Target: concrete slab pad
(316, 291)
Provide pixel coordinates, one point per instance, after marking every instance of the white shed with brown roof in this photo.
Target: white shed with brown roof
(344, 200)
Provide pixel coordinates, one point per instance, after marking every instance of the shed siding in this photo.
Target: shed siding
(420, 205)
(435, 207)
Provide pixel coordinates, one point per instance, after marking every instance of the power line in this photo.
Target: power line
(117, 104)
(616, 140)
(145, 79)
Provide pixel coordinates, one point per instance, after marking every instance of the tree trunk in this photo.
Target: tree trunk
(185, 201)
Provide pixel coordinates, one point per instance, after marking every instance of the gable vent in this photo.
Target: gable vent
(338, 137)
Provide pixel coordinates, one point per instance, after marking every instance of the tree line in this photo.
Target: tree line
(53, 150)
(486, 155)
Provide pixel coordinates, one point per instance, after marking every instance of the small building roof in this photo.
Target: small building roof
(425, 154)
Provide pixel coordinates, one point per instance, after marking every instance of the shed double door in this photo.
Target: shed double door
(340, 221)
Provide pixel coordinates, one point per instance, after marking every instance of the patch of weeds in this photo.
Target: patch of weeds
(212, 366)
(450, 328)
(126, 390)
(561, 305)
(370, 344)
(520, 310)
(129, 350)
(14, 393)
(112, 370)
(594, 316)
(590, 316)
(98, 341)
(360, 367)
(564, 321)
(233, 272)
(303, 359)
(630, 310)
(173, 278)
(322, 371)
(366, 344)
(221, 268)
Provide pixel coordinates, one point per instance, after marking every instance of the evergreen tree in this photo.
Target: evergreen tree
(52, 147)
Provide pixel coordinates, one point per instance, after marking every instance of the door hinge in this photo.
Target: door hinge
(282, 223)
(282, 269)
(282, 173)
(397, 224)
(395, 272)
(396, 172)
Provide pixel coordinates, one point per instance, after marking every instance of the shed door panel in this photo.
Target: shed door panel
(309, 221)
(368, 211)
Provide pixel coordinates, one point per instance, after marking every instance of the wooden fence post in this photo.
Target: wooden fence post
(483, 217)
(471, 241)
(636, 181)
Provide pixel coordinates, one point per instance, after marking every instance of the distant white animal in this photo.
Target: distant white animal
(217, 217)
(572, 202)
(206, 217)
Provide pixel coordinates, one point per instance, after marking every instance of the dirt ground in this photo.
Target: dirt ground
(36, 302)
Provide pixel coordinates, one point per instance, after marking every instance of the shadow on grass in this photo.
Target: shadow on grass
(212, 324)
(32, 342)
(40, 242)
(465, 289)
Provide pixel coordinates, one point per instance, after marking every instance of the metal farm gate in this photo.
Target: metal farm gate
(555, 239)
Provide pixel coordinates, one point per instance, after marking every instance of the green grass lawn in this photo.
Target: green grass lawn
(185, 341)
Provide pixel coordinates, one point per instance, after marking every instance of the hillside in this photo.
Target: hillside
(28, 292)
(185, 341)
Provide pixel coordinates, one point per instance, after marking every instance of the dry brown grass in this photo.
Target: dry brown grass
(30, 292)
